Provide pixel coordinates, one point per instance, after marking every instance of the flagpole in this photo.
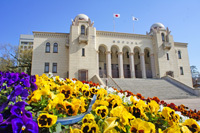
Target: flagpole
(113, 22)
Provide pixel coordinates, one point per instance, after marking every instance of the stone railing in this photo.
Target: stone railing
(83, 39)
(182, 85)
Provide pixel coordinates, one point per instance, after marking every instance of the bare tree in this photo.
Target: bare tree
(14, 59)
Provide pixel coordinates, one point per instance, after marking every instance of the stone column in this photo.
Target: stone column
(108, 63)
(153, 65)
(132, 65)
(142, 64)
(120, 64)
(98, 63)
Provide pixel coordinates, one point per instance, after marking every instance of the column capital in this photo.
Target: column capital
(141, 54)
(132, 53)
(107, 52)
(120, 53)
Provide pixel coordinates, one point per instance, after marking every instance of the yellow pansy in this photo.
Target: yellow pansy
(90, 128)
(46, 120)
(66, 90)
(75, 130)
(110, 124)
(192, 125)
(102, 111)
(153, 106)
(89, 118)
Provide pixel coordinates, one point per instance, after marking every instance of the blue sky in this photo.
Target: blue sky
(181, 16)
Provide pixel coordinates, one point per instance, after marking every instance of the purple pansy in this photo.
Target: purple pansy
(18, 126)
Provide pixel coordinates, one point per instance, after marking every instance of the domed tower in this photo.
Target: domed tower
(82, 53)
(164, 51)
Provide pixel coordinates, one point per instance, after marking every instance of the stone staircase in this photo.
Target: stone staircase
(150, 88)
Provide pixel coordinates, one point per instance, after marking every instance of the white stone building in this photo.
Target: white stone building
(85, 52)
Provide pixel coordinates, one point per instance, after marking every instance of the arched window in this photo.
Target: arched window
(55, 48)
(47, 50)
(163, 37)
(82, 30)
(179, 54)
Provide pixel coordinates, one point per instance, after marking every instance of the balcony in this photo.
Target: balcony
(166, 45)
(83, 39)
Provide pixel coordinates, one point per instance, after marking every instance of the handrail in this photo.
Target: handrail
(114, 82)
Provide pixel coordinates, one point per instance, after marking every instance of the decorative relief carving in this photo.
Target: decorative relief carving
(55, 35)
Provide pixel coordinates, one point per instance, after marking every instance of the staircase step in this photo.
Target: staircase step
(152, 87)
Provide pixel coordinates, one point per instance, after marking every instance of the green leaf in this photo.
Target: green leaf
(58, 128)
(28, 108)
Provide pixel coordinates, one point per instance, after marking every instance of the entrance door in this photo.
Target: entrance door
(83, 75)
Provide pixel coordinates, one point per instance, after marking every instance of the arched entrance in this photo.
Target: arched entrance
(102, 62)
(126, 63)
(147, 63)
(138, 71)
(114, 62)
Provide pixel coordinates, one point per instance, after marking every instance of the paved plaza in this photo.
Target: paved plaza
(193, 103)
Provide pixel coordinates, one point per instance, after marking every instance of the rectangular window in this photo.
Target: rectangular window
(46, 67)
(167, 56)
(55, 48)
(54, 67)
(179, 54)
(47, 50)
(83, 52)
(181, 71)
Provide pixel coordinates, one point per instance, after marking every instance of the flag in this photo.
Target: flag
(135, 19)
(116, 15)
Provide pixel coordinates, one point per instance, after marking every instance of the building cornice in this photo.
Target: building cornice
(179, 44)
(122, 35)
(50, 34)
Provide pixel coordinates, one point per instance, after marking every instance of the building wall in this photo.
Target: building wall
(40, 56)
(183, 62)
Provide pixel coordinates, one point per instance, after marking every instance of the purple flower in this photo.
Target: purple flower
(33, 79)
(1, 118)
(18, 109)
(19, 126)
(33, 86)
(25, 82)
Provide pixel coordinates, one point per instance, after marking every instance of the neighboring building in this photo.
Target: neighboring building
(25, 46)
(85, 52)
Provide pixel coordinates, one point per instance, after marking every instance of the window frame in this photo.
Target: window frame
(46, 64)
(48, 45)
(181, 71)
(55, 45)
(54, 65)
(83, 30)
(163, 37)
(167, 56)
(179, 54)
(83, 52)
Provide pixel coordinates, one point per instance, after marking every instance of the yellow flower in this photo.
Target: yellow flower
(110, 124)
(70, 108)
(173, 129)
(89, 118)
(99, 103)
(140, 126)
(76, 130)
(102, 111)
(90, 128)
(170, 116)
(46, 120)
(138, 112)
(66, 90)
(153, 106)
(185, 129)
(101, 93)
(192, 125)
(93, 90)
(78, 85)
(114, 100)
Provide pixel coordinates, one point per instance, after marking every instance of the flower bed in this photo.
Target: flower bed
(52, 104)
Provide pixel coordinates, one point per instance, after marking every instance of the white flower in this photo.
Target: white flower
(181, 116)
(111, 90)
(136, 99)
(121, 95)
(161, 108)
(50, 75)
(127, 100)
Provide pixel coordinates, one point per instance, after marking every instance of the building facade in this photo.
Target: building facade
(25, 52)
(85, 52)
